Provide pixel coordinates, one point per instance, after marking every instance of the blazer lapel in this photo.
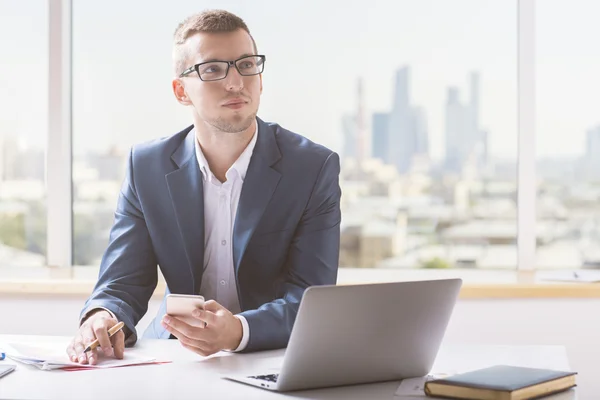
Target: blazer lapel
(187, 195)
(259, 185)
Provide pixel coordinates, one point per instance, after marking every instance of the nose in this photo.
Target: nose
(234, 82)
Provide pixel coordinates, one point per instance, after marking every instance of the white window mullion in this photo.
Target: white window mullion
(58, 159)
(526, 206)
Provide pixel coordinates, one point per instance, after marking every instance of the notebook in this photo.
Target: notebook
(501, 382)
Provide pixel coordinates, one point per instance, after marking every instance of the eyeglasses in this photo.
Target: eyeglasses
(216, 70)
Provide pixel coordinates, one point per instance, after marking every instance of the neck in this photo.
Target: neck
(222, 149)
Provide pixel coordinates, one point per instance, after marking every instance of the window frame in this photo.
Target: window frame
(59, 187)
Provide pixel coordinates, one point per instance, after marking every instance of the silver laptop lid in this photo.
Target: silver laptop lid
(367, 333)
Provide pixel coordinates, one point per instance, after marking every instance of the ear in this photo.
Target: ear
(179, 92)
(261, 86)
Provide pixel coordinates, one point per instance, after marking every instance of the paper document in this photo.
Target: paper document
(49, 356)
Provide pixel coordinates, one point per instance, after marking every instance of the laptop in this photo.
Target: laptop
(347, 335)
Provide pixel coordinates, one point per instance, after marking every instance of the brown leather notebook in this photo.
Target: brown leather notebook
(502, 382)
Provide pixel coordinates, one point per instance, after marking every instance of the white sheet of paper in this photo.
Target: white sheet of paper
(49, 356)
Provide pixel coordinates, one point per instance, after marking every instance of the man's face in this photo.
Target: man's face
(229, 104)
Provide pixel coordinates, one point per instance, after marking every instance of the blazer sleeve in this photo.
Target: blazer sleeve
(128, 271)
(312, 260)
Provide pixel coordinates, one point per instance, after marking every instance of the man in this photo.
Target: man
(243, 212)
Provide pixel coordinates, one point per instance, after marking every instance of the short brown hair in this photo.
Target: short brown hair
(211, 21)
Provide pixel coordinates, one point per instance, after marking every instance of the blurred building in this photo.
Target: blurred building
(408, 134)
(368, 239)
(465, 140)
(380, 137)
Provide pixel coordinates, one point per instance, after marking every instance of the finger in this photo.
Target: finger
(92, 356)
(118, 342)
(81, 357)
(195, 339)
(87, 337)
(213, 306)
(180, 326)
(71, 351)
(174, 327)
(100, 329)
(209, 317)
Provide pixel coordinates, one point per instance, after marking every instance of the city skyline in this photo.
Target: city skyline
(439, 41)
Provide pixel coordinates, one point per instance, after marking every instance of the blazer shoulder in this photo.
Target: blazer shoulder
(298, 146)
(163, 146)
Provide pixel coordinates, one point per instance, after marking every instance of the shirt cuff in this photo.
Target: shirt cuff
(87, 312)
(245, 333)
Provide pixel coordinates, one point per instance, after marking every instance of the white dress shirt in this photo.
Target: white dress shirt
(220, 209)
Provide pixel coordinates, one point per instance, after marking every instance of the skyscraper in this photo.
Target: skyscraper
(397, 126)
(464, 137)
(421, 130)
(401, 100)
(407, 127)
(455, 131)
(380, 137)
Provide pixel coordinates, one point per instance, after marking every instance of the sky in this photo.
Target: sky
(315, 52)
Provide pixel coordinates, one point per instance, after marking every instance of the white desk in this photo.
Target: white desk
(190, 376)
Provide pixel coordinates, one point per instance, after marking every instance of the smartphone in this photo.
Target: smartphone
(6, 369)
(181, 306)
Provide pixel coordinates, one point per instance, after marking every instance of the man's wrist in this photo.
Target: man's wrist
(239, 334)
(93, 311)
(245, 334)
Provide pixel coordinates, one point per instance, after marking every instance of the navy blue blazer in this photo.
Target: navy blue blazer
(286, 234)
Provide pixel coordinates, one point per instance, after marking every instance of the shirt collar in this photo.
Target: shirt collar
(240, 165)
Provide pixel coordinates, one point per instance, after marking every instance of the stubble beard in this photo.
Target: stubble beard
(235, 124)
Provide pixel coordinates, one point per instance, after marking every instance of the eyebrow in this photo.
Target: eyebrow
(218, 59)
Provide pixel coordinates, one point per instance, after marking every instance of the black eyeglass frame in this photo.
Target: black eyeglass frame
(196, 67)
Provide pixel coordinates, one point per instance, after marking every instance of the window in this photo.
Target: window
(427, 92)
(421, 92)
(568, 134)
(121, 96)
(23, 130)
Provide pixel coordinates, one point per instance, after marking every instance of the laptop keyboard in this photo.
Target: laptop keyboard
(270, 377)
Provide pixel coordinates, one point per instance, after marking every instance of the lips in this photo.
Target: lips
(234, 102)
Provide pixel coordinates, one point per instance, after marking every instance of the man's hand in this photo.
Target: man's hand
(95, 327)
(223, 330)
